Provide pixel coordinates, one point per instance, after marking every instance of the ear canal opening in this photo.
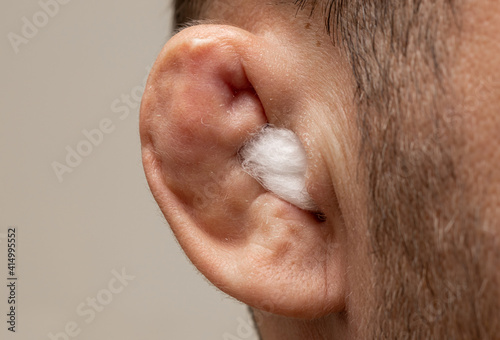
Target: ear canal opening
(320, 216)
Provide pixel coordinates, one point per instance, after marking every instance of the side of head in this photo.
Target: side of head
(395, 108)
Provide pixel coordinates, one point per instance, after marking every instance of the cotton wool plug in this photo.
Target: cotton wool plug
(276, 158)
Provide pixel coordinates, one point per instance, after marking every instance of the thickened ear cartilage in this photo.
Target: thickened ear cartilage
(276, 158)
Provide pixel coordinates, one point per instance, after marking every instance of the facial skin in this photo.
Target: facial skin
(396, 106)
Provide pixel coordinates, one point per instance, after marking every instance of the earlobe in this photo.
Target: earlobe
(202, 102)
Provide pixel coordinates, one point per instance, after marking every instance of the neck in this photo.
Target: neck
(275, 327)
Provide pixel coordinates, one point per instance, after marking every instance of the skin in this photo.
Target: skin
(406, 173)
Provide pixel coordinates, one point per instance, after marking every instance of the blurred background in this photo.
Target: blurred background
(95, 258)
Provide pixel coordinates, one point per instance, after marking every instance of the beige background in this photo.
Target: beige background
(101, 217)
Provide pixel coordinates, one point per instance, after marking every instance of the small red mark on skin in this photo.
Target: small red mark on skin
(308, 26)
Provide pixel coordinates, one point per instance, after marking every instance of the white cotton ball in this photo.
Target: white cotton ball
(276, 158)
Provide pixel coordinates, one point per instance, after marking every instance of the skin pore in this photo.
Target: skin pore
(400, 103)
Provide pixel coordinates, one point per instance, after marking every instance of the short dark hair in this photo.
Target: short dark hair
(187, 10)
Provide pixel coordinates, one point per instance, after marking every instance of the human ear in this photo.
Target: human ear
(210, 89)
